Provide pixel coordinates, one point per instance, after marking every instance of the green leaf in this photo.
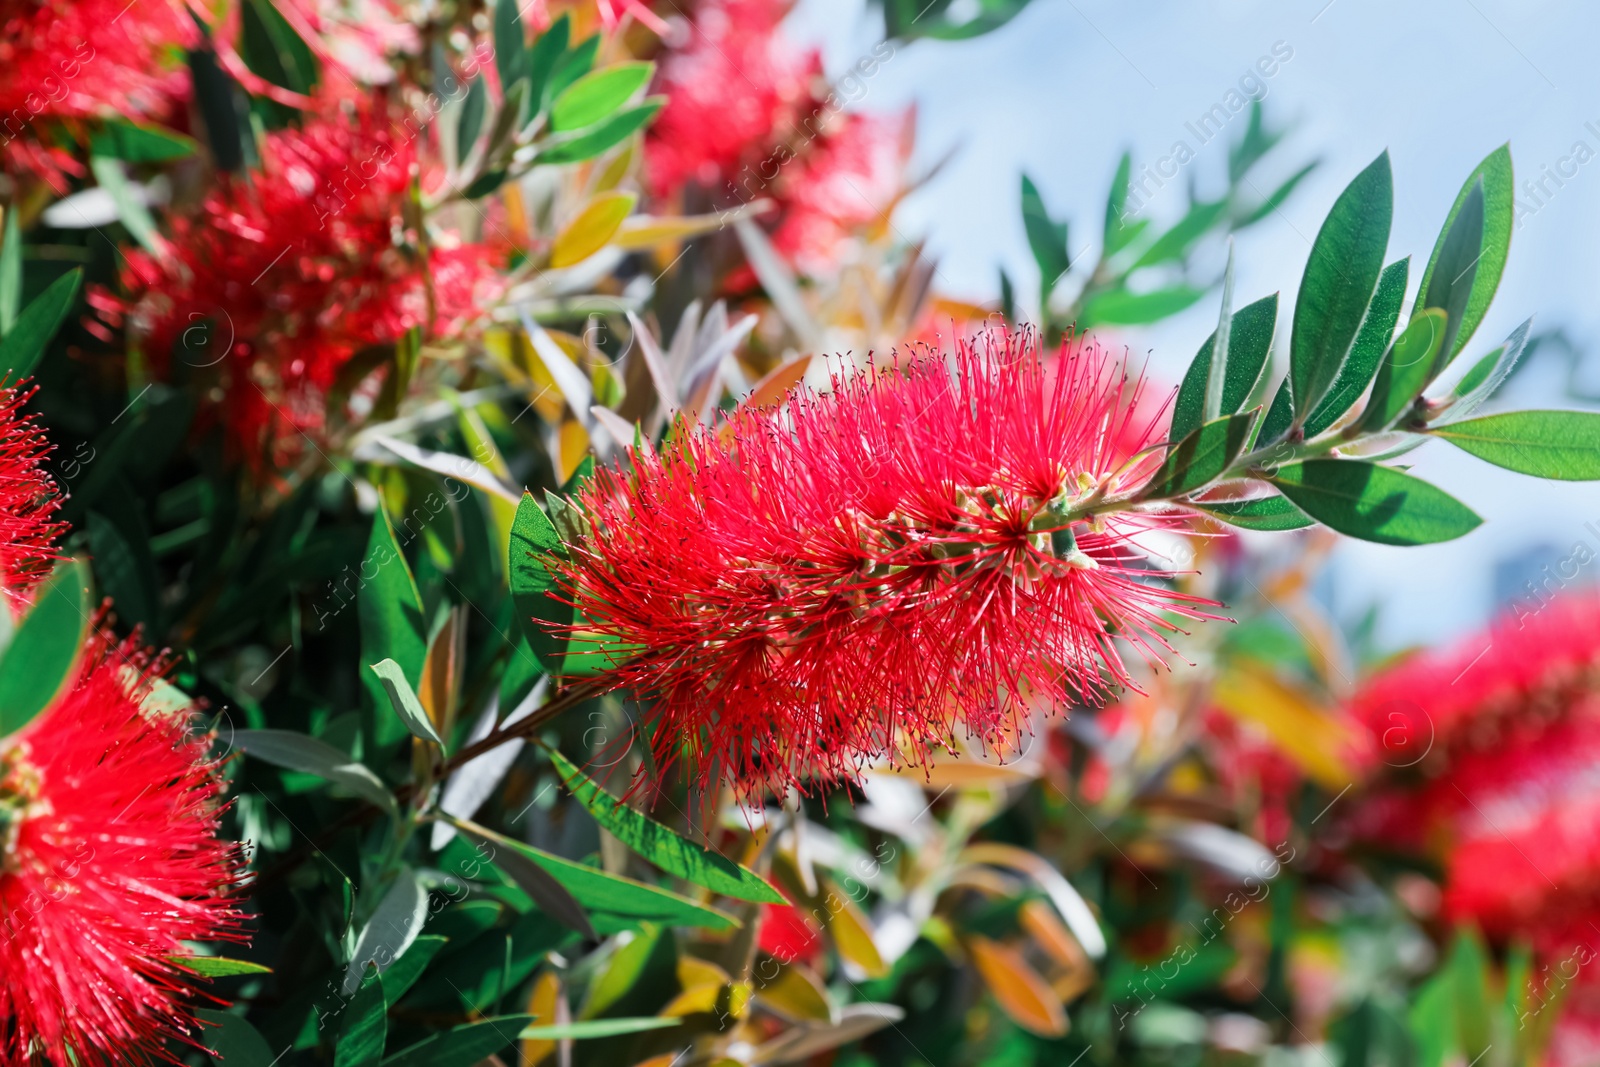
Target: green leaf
(599, 891)
(484, 184)
(1374, 503)
(1262, 513)
(10, 272)
(1122, 308)
(394, 925)
(1404, 372)
(365, 1025)
(465, 1046)
(1249, 343)
(404, 701)
(470, 122)
(574, 64)
(577, 1031)
(1366, 352)
(543, 56)
(218, 966)
(1118, 232)
(1490, 373)
(1564, 445)
(510, 45)
(597, 95)
(1046, 238)
(306, 754)
(1177, 242)
(1276, 198)
(533, 540)
(1280, 415)
(135, 217)
(660, 845)
(545, 890)
(1455, 268)
(26, 341)
(603, 136)
(390, 610)
(43, 655)
(1201, 456)
(404, 972)
(232, 1041)
(1498, 191)
(135, 143)
(1340, 277)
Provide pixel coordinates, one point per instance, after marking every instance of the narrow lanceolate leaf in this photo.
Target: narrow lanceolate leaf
(301, 752)
(1564, 445)
(1118, 232)
(232, 1041)
(364, 1027)
(588, 1028)
(533, 540)
(1482, 380)
(510, 47)
(1122, 308)
(1279, 417)
(1021, 991)
(542, 888)
(603, 135)
(404, 701)
(598, 891)
(660, 845)
(1219, 343)
(36, 326)
(1405, 371)
(1262, 513)
(1047, 239)
(1202, 456)
(1494, 244)
(1249, 343)
(595, 96)
(395, 923)
(10, 272)
(1374, 503)
(404, 972)
(43, 655)
(1340, 277)
(218, 966)
(470, 122)
(595, 225)
(1454, 269)
(390, 610)
(464, 1046)
(1366, 352)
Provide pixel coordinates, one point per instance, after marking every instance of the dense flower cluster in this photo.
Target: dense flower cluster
(111, 862)
(745, 121)
(28, 500)
(79, 59)
(1500, 738)
(859, 574)
(279, 281)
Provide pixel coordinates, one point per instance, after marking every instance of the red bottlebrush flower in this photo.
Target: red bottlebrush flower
(79, 59)
(28, 499)
(277, 283)
(111, 862)
(804, 591)
(733, 91)
(1498, 739)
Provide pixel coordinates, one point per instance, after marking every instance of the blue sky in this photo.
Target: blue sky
(1062, 90)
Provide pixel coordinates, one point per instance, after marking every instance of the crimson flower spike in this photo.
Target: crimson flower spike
(861, 574)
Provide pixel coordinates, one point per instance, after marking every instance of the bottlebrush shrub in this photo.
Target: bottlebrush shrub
(112, 860)
(28, 499)
(859, 573)
(1494, 743)
(852, 578)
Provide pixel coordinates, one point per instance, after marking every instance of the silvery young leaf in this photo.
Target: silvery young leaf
(404, 701)
(395, 923)
(301, 752)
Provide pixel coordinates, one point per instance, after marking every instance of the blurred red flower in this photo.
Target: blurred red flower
(29, 498)
(279, 281)
(787, 935)
(809, 589)
(81, 59)
(112, 862)
(1499, 741)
